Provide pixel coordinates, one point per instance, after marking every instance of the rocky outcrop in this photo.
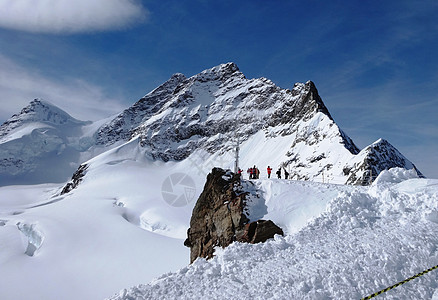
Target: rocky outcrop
(75, 180)
(218, 218)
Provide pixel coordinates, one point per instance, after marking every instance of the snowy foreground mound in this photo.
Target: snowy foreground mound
(360, 241)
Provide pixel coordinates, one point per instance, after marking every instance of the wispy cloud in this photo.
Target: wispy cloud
(18, 86)
(66, 16)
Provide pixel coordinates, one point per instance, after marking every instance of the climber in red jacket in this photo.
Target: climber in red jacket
(269, 171)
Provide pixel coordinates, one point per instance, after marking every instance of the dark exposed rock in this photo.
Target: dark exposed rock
(260, 231)
(218, 217)
(75, 180)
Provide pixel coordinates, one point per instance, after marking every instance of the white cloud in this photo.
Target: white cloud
(19, 86)
(69, 16)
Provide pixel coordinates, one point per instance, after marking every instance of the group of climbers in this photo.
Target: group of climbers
(286, 173)
(254, 172)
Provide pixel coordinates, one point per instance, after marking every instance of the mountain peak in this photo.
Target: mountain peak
(375, 158)
(310, 84)
(381, 141)
(381, 144)
(222, 71)
(44, 111)
(36, 105)
(229, 67)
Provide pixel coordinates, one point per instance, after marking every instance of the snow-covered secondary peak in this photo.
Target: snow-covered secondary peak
(40, 111)
(44, 111)
(375, 158)
(40, 144)
(382, 151)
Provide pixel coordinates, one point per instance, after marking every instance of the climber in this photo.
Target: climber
(279, 173)
(269, 171)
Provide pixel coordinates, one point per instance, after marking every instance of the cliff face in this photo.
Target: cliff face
(219, 217)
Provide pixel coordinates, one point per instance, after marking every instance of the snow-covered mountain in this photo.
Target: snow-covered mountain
(212, 109)
(208, 112)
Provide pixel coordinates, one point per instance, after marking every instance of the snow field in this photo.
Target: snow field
(95, 240)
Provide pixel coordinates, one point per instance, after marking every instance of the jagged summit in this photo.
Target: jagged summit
(208, 104)
(222, 71)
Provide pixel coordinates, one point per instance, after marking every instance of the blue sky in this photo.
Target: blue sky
(374, 63)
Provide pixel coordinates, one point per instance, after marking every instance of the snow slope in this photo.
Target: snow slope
(114, 231)
(360, 241)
